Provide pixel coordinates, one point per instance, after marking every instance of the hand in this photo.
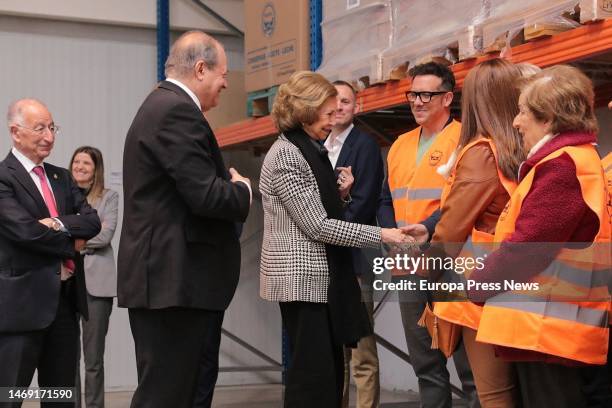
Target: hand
(47, 222)
(236, 177)
(79, 244)
(65, 273)
(395, 236)
(417, 231)
(345, 181)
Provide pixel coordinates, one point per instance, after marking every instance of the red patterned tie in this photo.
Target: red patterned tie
(50, 203)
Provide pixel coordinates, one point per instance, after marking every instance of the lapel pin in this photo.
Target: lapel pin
(55, 176)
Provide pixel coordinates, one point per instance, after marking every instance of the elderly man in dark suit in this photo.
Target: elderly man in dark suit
(179, 254)
(44, 220)
(349, 146)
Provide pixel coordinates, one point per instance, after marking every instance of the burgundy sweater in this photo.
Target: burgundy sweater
(552, 212)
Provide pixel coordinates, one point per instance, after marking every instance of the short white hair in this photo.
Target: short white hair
(14, 115)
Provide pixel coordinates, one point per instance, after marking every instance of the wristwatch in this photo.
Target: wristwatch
(56, 226)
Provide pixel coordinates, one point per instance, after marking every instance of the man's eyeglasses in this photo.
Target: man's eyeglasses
(54, 129)
(424, 96)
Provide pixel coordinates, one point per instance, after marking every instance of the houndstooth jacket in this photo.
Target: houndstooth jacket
(296, 229)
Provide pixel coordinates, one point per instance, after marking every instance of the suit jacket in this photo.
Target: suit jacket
(179, 245)
(362, 153)
(99, 260)
(31, 254)
(296, 228)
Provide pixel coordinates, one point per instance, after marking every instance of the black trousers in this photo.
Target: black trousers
(209, 363)
(544, 385)
(316, 368)
(53, 351)
(170, 345)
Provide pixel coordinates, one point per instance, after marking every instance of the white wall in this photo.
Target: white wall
(184, 15)
(93, 79)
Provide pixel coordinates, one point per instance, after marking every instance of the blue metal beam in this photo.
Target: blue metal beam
(163, 36)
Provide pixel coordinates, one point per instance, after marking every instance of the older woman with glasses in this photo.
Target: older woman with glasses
(555, 236)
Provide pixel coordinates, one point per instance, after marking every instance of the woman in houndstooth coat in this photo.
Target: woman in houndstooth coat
(306, 265)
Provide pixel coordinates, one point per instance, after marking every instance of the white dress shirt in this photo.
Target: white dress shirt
(197, 102)
(29, 166)
(334, 144)
(187, 90)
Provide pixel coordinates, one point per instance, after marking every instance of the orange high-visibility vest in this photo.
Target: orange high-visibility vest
(478, 244)
(568, 316)
(606, 162)
(607, 165)
(416, 190)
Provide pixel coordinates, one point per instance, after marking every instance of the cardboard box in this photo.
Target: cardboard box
(231, 108)
(277, 41)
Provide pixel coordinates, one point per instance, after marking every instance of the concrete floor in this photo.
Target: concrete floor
(263, 396)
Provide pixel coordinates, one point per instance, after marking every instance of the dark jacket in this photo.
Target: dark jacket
(362, 153)
(31, 253)
(179, 245)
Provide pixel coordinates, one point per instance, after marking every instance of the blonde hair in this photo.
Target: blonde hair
(563, 96)
(528, 69)
(298, 100)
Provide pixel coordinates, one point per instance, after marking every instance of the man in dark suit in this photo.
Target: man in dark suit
(350, 147)
(44, 220)
(179, 254)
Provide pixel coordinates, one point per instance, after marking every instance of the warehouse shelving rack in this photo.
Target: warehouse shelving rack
(577, 44)
(589, 46)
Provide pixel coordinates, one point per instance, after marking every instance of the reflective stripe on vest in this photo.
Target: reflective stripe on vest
(478, 244)
(607, 165)
(416, 190)
(557, 310)
(568, 316)
(417, 193)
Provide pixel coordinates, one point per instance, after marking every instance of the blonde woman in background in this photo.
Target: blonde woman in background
(306, 264)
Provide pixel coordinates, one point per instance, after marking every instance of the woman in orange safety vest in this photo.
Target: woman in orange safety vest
(546, 285)
(479, 186)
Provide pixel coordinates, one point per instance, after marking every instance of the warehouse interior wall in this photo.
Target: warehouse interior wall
(184, 14)
(93, 77)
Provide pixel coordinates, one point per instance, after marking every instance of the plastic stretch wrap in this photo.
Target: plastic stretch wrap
(336, 8)
(595, 10)
(353, 42)
(377, 39)
(428, 28)
(511, 16)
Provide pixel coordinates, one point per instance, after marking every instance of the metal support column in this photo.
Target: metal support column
(163, 36)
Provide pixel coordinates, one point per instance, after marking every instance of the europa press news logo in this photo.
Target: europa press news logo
(268, 19)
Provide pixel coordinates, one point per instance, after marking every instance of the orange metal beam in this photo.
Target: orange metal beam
(246, 131)
(579, 43)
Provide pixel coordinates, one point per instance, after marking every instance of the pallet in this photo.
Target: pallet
(259, 103)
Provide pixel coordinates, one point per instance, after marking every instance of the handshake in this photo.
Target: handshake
(409, 234)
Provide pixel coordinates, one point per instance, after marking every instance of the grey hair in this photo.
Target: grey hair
(14, 115)
(184, 54)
